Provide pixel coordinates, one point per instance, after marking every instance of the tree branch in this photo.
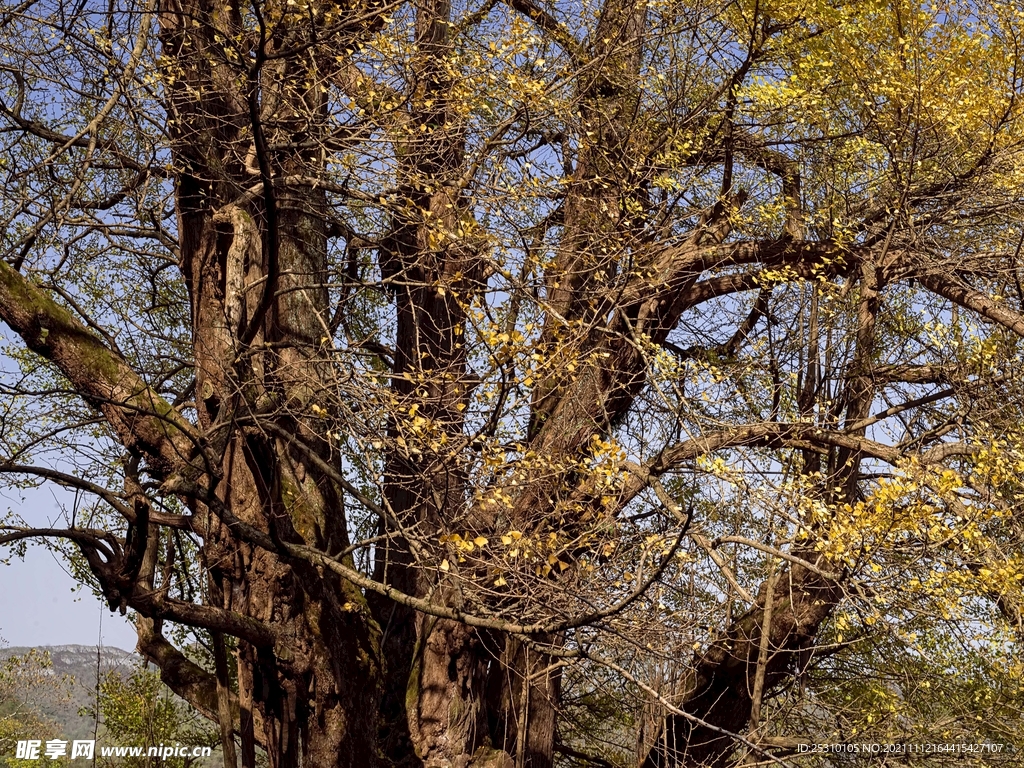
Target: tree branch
(997, 312)
(144, 422)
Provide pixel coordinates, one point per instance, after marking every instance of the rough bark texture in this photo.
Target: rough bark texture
(718, 692)
(256, 273)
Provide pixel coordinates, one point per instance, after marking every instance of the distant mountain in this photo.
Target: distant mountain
(80, 660)
(69, 683)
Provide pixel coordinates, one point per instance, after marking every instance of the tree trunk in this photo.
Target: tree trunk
(529, 706)
(718, 694)
(718, 691)
(256, 269)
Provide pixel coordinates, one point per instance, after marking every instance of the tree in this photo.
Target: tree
(139, 710)
(468, 364)
(23, 680)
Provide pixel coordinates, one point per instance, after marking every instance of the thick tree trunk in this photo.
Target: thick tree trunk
(249, 133)
(529, 705)
(314, 691)
(718, 691)
(256, 270)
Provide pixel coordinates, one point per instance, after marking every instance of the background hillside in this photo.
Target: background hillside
(54, 692)
(59, 692)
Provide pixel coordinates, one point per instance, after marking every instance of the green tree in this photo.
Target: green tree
(139, 710)
(458, 367)
(22, 679)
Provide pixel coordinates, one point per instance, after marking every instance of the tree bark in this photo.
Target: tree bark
(256, 270)
(717, 693)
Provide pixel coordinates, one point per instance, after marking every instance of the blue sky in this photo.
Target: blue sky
(38, 604)
(38, 607)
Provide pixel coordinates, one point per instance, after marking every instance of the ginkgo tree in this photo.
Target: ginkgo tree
(501, 382)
